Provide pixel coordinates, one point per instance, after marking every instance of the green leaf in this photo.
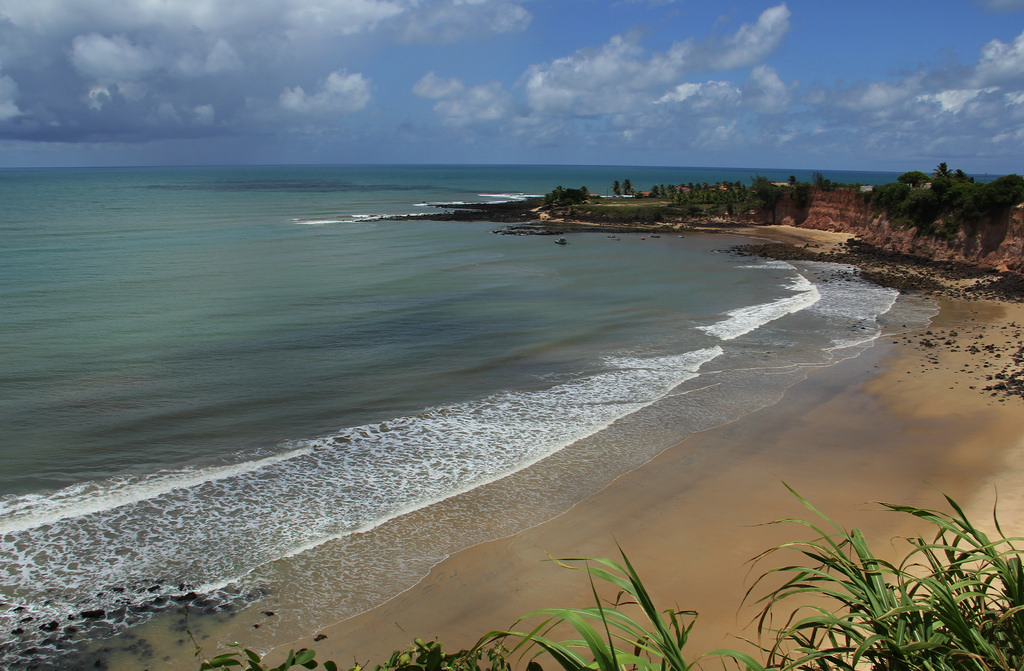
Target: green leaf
(303, 657)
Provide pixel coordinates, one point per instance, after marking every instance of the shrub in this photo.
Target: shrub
(246, 659)
(561, 196)
(420, 656)
(890, 197)
(941, 204)
(955, 601)
(610, 638)
(913, 178)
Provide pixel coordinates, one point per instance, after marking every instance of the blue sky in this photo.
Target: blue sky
(894, 85)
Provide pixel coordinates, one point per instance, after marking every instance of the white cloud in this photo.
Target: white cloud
(97, 97)
(300, 20)
(115, 58)
(461, 106)
(706, 97)
(165, 114)
(752, 42)
(340, 92)
(621, 76)
(479, 104)
(446, 21)
(1001, 63)
(336, 16)
(8, 93)
(344, 17)
(765, 91)
(681, 93)
(221, 58)
(204, 115)
(605, 80)
(879, 96)
(953, 100)
(434, 87)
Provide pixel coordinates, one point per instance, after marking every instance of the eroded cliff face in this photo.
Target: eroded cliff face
(996, 242)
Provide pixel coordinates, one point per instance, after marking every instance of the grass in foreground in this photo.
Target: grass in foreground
(954, 602)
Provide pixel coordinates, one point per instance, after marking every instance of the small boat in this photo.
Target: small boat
(561, 241)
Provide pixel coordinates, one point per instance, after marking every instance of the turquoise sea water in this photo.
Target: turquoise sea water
(238, 382)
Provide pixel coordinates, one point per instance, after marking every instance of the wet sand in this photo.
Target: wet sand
(905, 422)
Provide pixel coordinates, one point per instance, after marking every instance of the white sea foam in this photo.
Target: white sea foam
(35, 510)
(508, 197)
(354, 219)
(749, 318)
(211, 526)
(851, 306)
(317, 222)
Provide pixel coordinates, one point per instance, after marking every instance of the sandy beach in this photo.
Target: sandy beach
(915, 416)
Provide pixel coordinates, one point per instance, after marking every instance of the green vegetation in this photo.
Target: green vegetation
(939, 204)
(560, 196)
(661, 202)
(421, 656)
(634, 212)
(955, 602)
(610, 638)
(246, 659)
(942, 203)
(685, 201)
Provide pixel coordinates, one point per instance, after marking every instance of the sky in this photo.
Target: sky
(896, 85)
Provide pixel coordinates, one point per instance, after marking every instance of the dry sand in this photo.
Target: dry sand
(904, 422)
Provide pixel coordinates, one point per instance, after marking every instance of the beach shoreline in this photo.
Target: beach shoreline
(915, 416)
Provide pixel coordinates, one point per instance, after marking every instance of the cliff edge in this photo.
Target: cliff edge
(994, 241)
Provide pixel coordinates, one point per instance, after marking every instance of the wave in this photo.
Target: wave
(509, 197)
(849, 306)
(361, 218)
(492, 199)
(211, 526)
(29, 511)
(741, 321)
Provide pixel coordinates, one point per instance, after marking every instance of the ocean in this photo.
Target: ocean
(244, 390)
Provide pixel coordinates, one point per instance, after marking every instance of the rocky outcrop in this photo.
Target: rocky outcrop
(995, 242)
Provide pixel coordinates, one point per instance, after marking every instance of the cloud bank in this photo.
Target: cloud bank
(398, 78)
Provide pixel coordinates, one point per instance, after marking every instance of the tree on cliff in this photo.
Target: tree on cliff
(561, 196)
(767, 193)
(914, 178)
(1004, 192)
(951, 200)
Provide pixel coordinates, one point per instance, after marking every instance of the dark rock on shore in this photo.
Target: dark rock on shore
(905, 272)
(47, 644)
(999, 370)
(515, 211)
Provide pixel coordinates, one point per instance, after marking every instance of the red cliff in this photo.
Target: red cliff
(993, 242)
